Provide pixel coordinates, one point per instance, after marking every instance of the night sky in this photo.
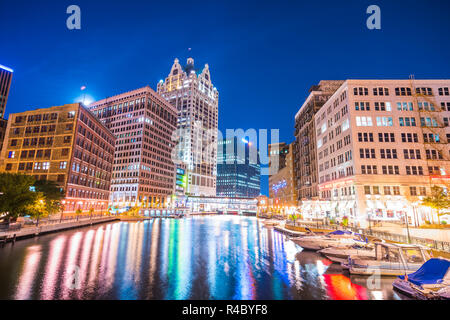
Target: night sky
(263, 55)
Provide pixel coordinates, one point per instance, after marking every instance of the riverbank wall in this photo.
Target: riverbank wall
(28, 232)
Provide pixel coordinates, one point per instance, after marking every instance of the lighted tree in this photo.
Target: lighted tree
(438, 200)
(52, 195)
(16, 195)
(38, 208)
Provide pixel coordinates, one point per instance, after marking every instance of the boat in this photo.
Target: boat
(430, 281)
(340, 254)
(336, 238)
(390, 259)
(270, 223)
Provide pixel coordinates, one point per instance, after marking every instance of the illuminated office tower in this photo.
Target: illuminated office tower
(238, 169)
(5, 84)
(143, 172)
(192, 93)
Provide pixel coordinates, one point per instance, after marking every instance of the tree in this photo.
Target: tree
(344, 221)
(16, 194)
(78, 212)
(38, 208)
(438, 200)
(52, 195)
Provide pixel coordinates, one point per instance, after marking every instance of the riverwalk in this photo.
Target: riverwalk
(55, 226)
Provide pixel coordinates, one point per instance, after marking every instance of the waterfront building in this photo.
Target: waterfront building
(282, 190)
(381, 146)
(143, 172)
(196, 99)
(222, 205)
(5, 84)
(305, 160)
(238, 169)
(66, 144)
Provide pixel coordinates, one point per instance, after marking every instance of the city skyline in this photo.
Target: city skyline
(226, 151)
(268, 53)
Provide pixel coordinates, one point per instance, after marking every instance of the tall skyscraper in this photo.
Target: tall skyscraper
(143, 172)
(192, 93)
(65, 144)
(238, 169)
(5, 84)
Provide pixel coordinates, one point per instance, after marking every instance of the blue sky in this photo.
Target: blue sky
(263, 55)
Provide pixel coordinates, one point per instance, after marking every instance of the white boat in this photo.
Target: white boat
(390, 259)
(337, 239)
(340, 254)
(430, 281)
(271, 223)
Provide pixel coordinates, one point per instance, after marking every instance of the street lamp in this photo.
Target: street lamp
(407, 227)
(62, 211)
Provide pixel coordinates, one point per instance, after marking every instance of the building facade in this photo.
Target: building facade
(277, 156)
(5, 84)
(65, 144)
(192, 93)
(143, 172)
(238, 169)
(381, 145)
(305, 160)
(282, 189)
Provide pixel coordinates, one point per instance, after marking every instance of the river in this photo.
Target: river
(215, 257)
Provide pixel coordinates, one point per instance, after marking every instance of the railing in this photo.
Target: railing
(434, 244)
(49, 221)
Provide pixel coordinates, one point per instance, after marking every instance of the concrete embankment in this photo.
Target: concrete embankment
(28, 232)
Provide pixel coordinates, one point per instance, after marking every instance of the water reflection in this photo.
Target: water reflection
(221, 257)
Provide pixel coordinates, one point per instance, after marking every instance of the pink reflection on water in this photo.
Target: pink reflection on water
(70, 268)
(110, 261)
(98, 245)
(51, 270)
(84, 260)
(25, 284)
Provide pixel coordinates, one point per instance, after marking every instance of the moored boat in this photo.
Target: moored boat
(430, 281)
(390, 259)
(336, 238)
(340, 254)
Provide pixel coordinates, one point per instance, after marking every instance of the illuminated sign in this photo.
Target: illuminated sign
(280, 185)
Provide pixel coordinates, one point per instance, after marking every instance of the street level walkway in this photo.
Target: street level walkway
(46, 227)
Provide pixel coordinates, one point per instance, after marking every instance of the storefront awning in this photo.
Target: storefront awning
(370, 204)
(342, 205)
(395, 205)
(380, 205)
(350, 204)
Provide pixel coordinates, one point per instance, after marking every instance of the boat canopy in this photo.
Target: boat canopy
(340, 232)
(431, 272)
(344, 232)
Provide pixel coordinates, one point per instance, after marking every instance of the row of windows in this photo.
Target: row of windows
(394, 190)
(399, 91)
